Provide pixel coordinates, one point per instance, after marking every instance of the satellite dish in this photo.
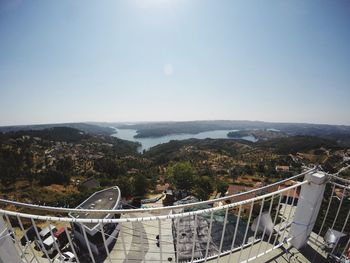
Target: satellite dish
(332, 238)
(265, 221)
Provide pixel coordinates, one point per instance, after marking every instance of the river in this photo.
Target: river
(147, 143)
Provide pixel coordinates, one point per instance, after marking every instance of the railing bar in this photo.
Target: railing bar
(225, 253)
(326, 214)
(87, 243)
(339, 206)
(335, 175)
(27, 239)
(223, 234)
(235, 233)
(323, 222)
(336, 216)
(142, 210)
(257, 226)
(160, 240)
(15, 238)
(40, 240)
(347, 245)
(142, 245)
(177, 238)
(150, 218)
(289, 214)
(54, 241)
(209, 236)
(339, 185)
(282, 216)
(71, 244)
(121, 232)
(246, 230)
(346, 221)
(264, 232)
(194, 237)
(104, 242)
(274, 222)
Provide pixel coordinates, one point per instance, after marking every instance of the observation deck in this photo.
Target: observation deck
(302, 221)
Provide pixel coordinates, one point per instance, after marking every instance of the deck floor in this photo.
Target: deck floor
(141, 242)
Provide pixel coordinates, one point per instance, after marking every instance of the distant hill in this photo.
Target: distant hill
(165, 152)
(58, 134)
(339, 133)
(72, 135)
(85, 127)
(171, 151)
(296, 144)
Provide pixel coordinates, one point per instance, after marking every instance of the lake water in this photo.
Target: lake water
(147, 143)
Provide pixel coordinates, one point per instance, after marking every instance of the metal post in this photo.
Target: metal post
(194, 237)
(104, 243)
(235, 234)
(209, 236)
(307, 209)
(8, 252)
(160, 240)
(246, 230)
(71, 244)
(223, 234)
(17, 242)
(87, 243)
(177, 239)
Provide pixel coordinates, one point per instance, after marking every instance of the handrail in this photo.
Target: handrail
(149, 218)
(336, 177)
(143, 210)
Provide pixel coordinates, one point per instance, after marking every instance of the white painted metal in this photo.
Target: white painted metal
(308, 207)
(223, 234)
(160, 240)
(71, 244)
(177, 213)
(246, 230)
(40, 239)
(257, 227)
(22, 255)
(27, 239)
(87, 242)
(8, 251)
(104, 243)
(142, 210)
(339, 206)
(209, 239)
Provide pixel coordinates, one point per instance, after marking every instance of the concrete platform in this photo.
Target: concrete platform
(141, 242)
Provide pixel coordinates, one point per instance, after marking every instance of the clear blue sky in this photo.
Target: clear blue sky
(67, 61)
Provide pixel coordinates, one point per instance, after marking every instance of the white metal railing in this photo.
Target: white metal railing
(336, 207)
(182, 233)
(120, 211)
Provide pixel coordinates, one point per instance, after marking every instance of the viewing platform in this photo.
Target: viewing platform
(303, 221)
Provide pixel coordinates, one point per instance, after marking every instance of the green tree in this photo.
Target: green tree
(221, 187)
(204, 187)
(125, 186)
(53, 177)
(182, 175)
(65, 165)
(8, 176)
(140, 185)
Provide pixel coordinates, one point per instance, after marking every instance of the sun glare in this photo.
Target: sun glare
(153, 3)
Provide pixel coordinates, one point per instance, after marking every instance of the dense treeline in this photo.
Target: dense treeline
(163, 153)
(85, 127)
(297, 144)
(20, 151)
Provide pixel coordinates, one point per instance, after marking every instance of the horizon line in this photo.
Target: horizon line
(173, 121)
